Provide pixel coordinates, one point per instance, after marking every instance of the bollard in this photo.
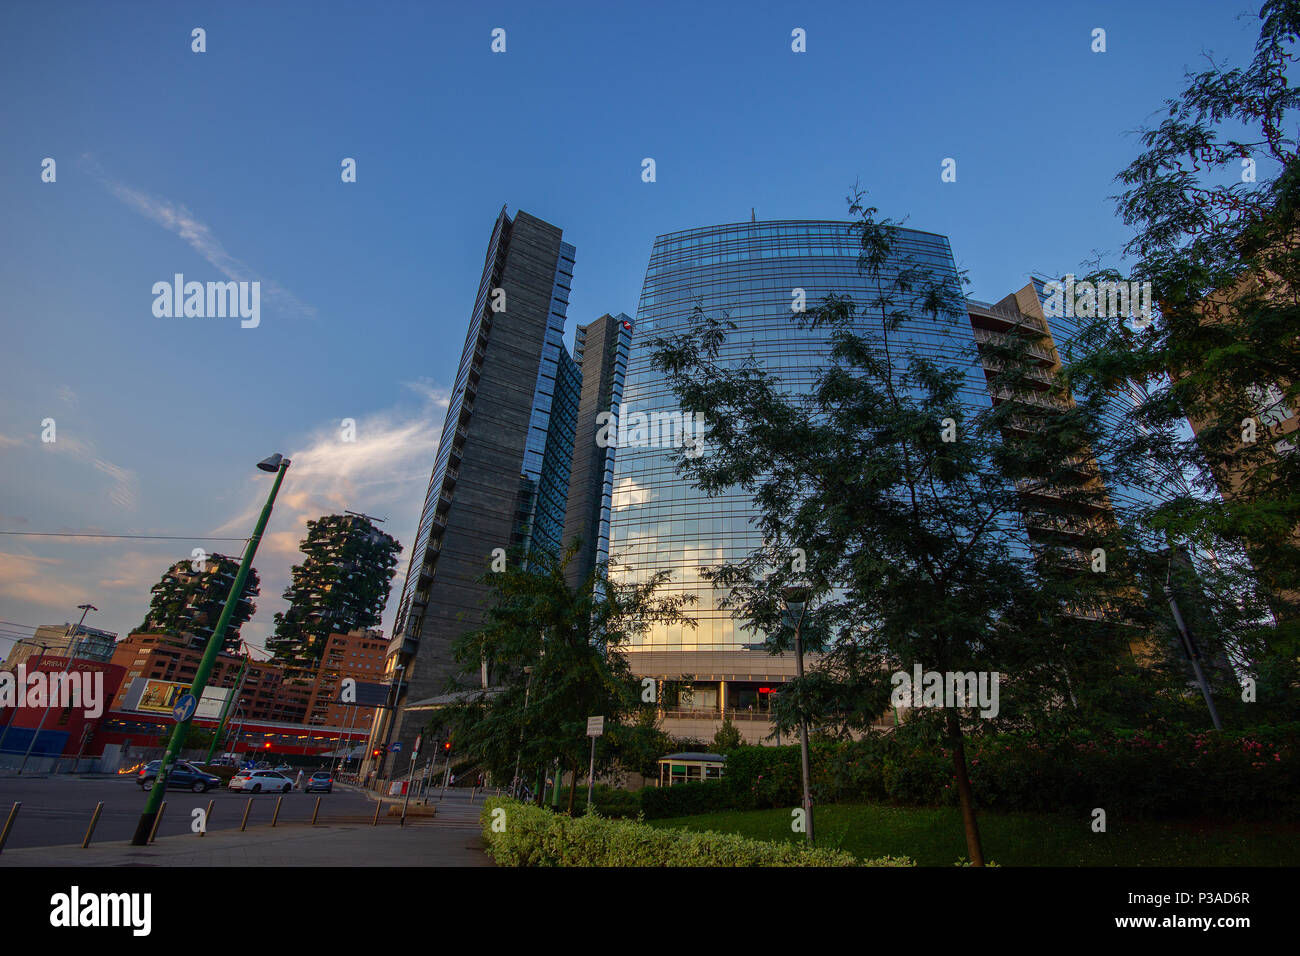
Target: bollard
(9, 823)
(157, 820)
(315, 812)
(247, 807)
(94, 818)
(275, 816)
(207, 818)
(375, 821)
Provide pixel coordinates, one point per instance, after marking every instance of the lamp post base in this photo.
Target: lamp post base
(143, 829)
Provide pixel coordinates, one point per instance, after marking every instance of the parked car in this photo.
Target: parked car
(321, 780)
(283, 768)
(183, 776)
(257, 781)
(224, 761)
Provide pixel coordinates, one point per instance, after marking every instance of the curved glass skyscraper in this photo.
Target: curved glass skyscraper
(754, 272)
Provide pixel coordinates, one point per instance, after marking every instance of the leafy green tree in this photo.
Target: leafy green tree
(637, 744)
(570, 640)
(727, 738)
(901, 497)
(1214, 203)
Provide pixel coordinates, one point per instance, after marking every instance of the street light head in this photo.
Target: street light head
(795, 597)
(271, 464)
(528, 669)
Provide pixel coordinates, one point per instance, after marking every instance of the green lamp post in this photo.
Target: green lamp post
(277, 464)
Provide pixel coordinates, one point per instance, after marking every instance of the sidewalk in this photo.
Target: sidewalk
(452, 838)
(416, 844)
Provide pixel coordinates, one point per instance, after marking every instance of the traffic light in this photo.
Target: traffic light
(376, 753)
(446, 746)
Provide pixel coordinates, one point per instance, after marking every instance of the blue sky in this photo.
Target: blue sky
(227, 163)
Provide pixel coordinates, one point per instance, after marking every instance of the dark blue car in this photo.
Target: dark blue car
(183, 776)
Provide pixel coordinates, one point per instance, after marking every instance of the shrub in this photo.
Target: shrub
(610, 801)
(529, 836)
(1170, 773)
(685, 799)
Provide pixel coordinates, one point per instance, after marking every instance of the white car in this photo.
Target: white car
(259, 781)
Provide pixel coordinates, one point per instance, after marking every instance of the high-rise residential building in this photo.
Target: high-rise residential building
(500, 479)
(190, 597)
(342, 585)
(601, 350)
(1049, 518)
(753, 272)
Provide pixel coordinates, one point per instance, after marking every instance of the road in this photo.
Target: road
(57, 810)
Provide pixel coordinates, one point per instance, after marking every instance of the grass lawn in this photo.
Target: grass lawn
(934, 837)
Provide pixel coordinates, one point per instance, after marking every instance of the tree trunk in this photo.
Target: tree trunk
(964, 792)
(573, 787)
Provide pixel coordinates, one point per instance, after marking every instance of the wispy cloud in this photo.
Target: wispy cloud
(176, 218)
(124, 490)
(36, 580)
(383, 472)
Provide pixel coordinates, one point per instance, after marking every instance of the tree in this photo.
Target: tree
(571, 641)
(1214, 204)
(727, 738)
(901, 498)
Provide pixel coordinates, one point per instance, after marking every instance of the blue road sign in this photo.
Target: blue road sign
(394, 747)
(185, 707)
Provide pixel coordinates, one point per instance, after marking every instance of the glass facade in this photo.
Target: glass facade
(544, 483)
(622, 351)
(749, 272)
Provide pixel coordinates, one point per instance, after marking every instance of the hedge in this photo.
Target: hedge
(1232, 775)
(519, 834)
(1246, 774)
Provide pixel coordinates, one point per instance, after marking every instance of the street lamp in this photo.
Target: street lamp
(71, 635)
(1189, 644)
(279, 465)
(796, 600)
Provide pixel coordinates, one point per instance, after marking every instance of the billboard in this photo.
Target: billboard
(152, 696)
